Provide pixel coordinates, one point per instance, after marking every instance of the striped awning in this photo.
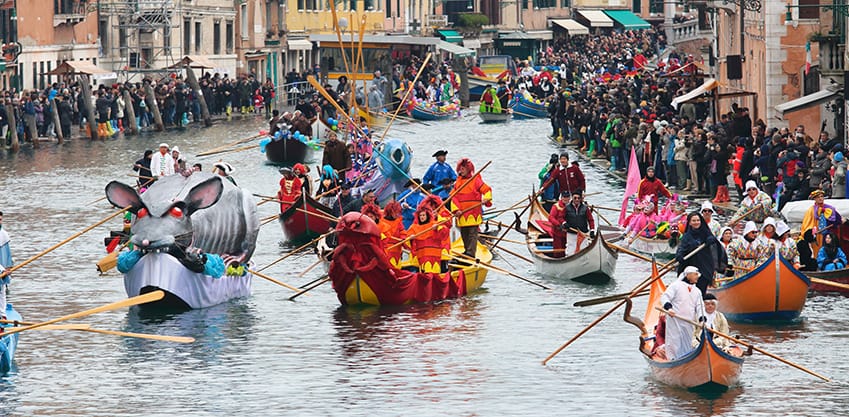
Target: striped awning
(571, 26)
(596, 18)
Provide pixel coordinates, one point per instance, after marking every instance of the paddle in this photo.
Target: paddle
(298, 249)
(266, 277)
(648, 281)
(601, 215)
(499, 211)
(54, 247)
(531, 201)
(234, 143)
(512, 253)
(319, 215)
(827, 282)
(129, 302)
(324, 279)
(743, 216)
(239, 149)
(406, 95)
(87, 328)
(629, 252)
(748, 345)
(490, 267)
(609, 298)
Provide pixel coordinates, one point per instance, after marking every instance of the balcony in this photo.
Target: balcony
(831, 55)
(69, 13)
(683, 32)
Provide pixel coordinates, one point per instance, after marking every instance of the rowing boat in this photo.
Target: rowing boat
(8, 344)
(524, 109)
(774, 291)
(661, 248)
(489, 117)
(705, 368)
(420, 112)
(840, 276)
(362, 274)
(300, 227)
(594, 264)
(288, 151)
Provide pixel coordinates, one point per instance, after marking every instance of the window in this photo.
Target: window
(146, 57)
(122, 42)
(243, 18)
(187, 36)
(352, 4)
(103, 30)
(371, 59)
(369, 4)
(63, 6)
(216, 38)
(809, 12)
(198, 37)
(524, 4)
(228, 33)
(388, 8)
(34, 72)
(566, 3)
(811, 81)
(7, 26)
(544, 4)
(49, 77)
(301, 5)
(41, 75)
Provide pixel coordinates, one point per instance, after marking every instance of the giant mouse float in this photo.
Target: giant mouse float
(192, 236)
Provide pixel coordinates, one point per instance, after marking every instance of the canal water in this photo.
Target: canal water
(264, 355)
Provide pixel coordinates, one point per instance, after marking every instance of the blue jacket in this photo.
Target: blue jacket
(408, 214)
(827, 264)
(437, 172)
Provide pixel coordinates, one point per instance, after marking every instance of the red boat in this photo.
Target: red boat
(840, 276)
(362, 274)
(300, 227)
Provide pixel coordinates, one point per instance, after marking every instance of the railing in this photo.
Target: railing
(287, 94)
(683, 32)
(831, 57)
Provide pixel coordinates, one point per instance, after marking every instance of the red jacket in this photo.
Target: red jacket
(653, 188)
(570, 179)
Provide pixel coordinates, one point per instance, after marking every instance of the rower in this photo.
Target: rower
(426, 247)
(685, 300)
(410, 199)
(559, 226)
(5, 262)
(579, 217)
(290, 189)
(438, 171)
(392, 232)
(747, 251)
(466, 204)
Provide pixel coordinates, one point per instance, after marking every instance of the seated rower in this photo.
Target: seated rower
(830, 256)
(291, 189)
(392, 232)
(426, 248)
(643, 224)
(786, 245)
(713, 320)
(746, 252)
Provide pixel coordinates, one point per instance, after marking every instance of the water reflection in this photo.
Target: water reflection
(676, 401)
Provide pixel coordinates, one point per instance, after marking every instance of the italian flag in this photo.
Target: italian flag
(807, 57)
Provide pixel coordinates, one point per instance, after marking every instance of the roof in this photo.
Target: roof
(597, 18)
(77, 67)
(823, 96)
(627, 19)
(450, 35)
(193, 61)
(571, 26)
(455, 49)
(384, 39)
(708, 85)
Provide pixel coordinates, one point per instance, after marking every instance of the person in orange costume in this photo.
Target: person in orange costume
(426, 248)
(392, 231)
(434, 202)
(466, 204)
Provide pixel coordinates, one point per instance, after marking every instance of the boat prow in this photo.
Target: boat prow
(9, 344)
(705, 368)
(299, 227)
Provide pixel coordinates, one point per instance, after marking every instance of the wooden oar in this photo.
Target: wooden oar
(129, 302)
(827, 282)
(54, 247)
(406, 95)
(239, 149)
(475, 261)
(268, 278)
(748, 345)
(310, 268)
(298, 249)
(743, 216)
(601, 215)
(640, 287)
(499, 211)
(488, 237)
(606, 208)
(305, 290)
(434, 226)
(501, 248)
(609, 298)
(319, 215)
(629, 252)
(87, 328)
(234, 143)
(111, 259)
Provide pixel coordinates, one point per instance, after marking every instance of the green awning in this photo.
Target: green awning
(450, 35)
(627, 19)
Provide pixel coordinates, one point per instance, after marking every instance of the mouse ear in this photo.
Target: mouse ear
(122, 195)
(204, 194)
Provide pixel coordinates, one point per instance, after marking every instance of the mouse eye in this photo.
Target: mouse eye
(141, 213)
(176, 212)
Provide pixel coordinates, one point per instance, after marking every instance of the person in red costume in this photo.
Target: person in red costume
(466, 204)
(392, 231)
(651, 186)
(557, 219)
(569, 176)
(290, 189)
(426, 247)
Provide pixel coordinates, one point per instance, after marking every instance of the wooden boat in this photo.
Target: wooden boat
(524, 109)
(287, 151)
(661, 248)
(840, 276)
(705, 368)
(488, 117)
(300, 227)
(774, 291)
(8, 344)
(594, 264)
(362, 275)
(420, 112)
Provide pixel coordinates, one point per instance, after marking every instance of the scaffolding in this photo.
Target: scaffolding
(143, 32)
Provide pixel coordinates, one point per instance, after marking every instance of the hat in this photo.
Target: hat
(565, 194)
(838, 157)
(781, 228)
(163, 145)
(751, 184)
(650, 169)
(709, 297)
(441, 152)
(413, 181)
(224, 167)
(816, 193)
(175, 149)
(724, 229)
(285, 170)
(769, 221)
(688, 270)
(750, 227)
(707, 205)
(427, 187)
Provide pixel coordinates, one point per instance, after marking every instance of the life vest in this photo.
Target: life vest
(468, 197)
(577, 218)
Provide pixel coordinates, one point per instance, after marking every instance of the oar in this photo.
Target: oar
(502, 248)
(266, 277)
(476, 261)
(531, 201)
(54, 247)
(310, 268)
(629, 252)
(606, 208)
(743, 216)
(87, 328)
(264, 221)
(827, 282)
(648, 281)
(319, 215)
(239, 149)
(111, 259)
(748, 345)
(488, 237)
(129, 302)
(406, 95)
(434, 226)
(609, 298)
(499, 211)
(601, 215)
(234, 143)
(305, 290)
(298, 249)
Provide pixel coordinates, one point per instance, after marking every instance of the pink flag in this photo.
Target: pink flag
(631, 186)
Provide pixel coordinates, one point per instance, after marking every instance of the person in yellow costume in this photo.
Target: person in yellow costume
(819, 219)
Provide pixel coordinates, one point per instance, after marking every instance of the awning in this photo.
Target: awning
(457, 50)
(255, 55)
(299, 45)
(571, 26)
(707, 86)
(472, 43)
(194, 61)
(448, 35)
(77, 67)
(823, 96)
(597, 18)
(628, 20)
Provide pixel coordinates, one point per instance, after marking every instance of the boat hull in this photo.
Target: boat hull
(420, 113)
(657, 247)
(523, 109)
(299, 227)
(194, 290)
(705, 368)
(774, 291)
(8, 344)
(495, 117)
(287, 152)
(838, 277)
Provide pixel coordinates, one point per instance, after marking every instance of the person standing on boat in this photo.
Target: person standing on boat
(426, 247)
(707, 213)
(5, 262)
(755, 206)
(302, 172)
(569, 176)
(821, 217)
(746, 252)
(652, 187)
(579, 219)
(708, 260)
(830, 256)
(392, 232)
(547, 182)
(466, 204)
(142, 167)
(162, 164)
(290, 189)
(410, 199)
(684, 299)
(439, 171)
(713, 320)
(559, 226)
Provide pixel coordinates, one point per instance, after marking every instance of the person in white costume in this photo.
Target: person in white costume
(684, 299)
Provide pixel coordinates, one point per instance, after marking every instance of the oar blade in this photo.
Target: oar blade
(163, 338)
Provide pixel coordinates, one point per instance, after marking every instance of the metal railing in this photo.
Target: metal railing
(287, 94)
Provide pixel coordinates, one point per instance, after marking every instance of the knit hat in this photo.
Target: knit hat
(838, 157)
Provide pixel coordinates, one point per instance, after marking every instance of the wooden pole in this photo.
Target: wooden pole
(827, 282)
(305, 290)
(130, 110)
(150, 99)
(280, 283)
(609, 298)
(13, 127)
(298, 249)
(57, 125)
(406, 96)
(87, 328)
(193, 83)
(85, 92)
(491, 267)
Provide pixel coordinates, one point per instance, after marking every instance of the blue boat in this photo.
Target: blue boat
(419, 112)
(8, 344)
(524, 109)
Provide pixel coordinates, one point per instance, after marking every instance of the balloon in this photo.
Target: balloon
(277, 135)
(330, 120)
(333, 127)
(263, 132)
